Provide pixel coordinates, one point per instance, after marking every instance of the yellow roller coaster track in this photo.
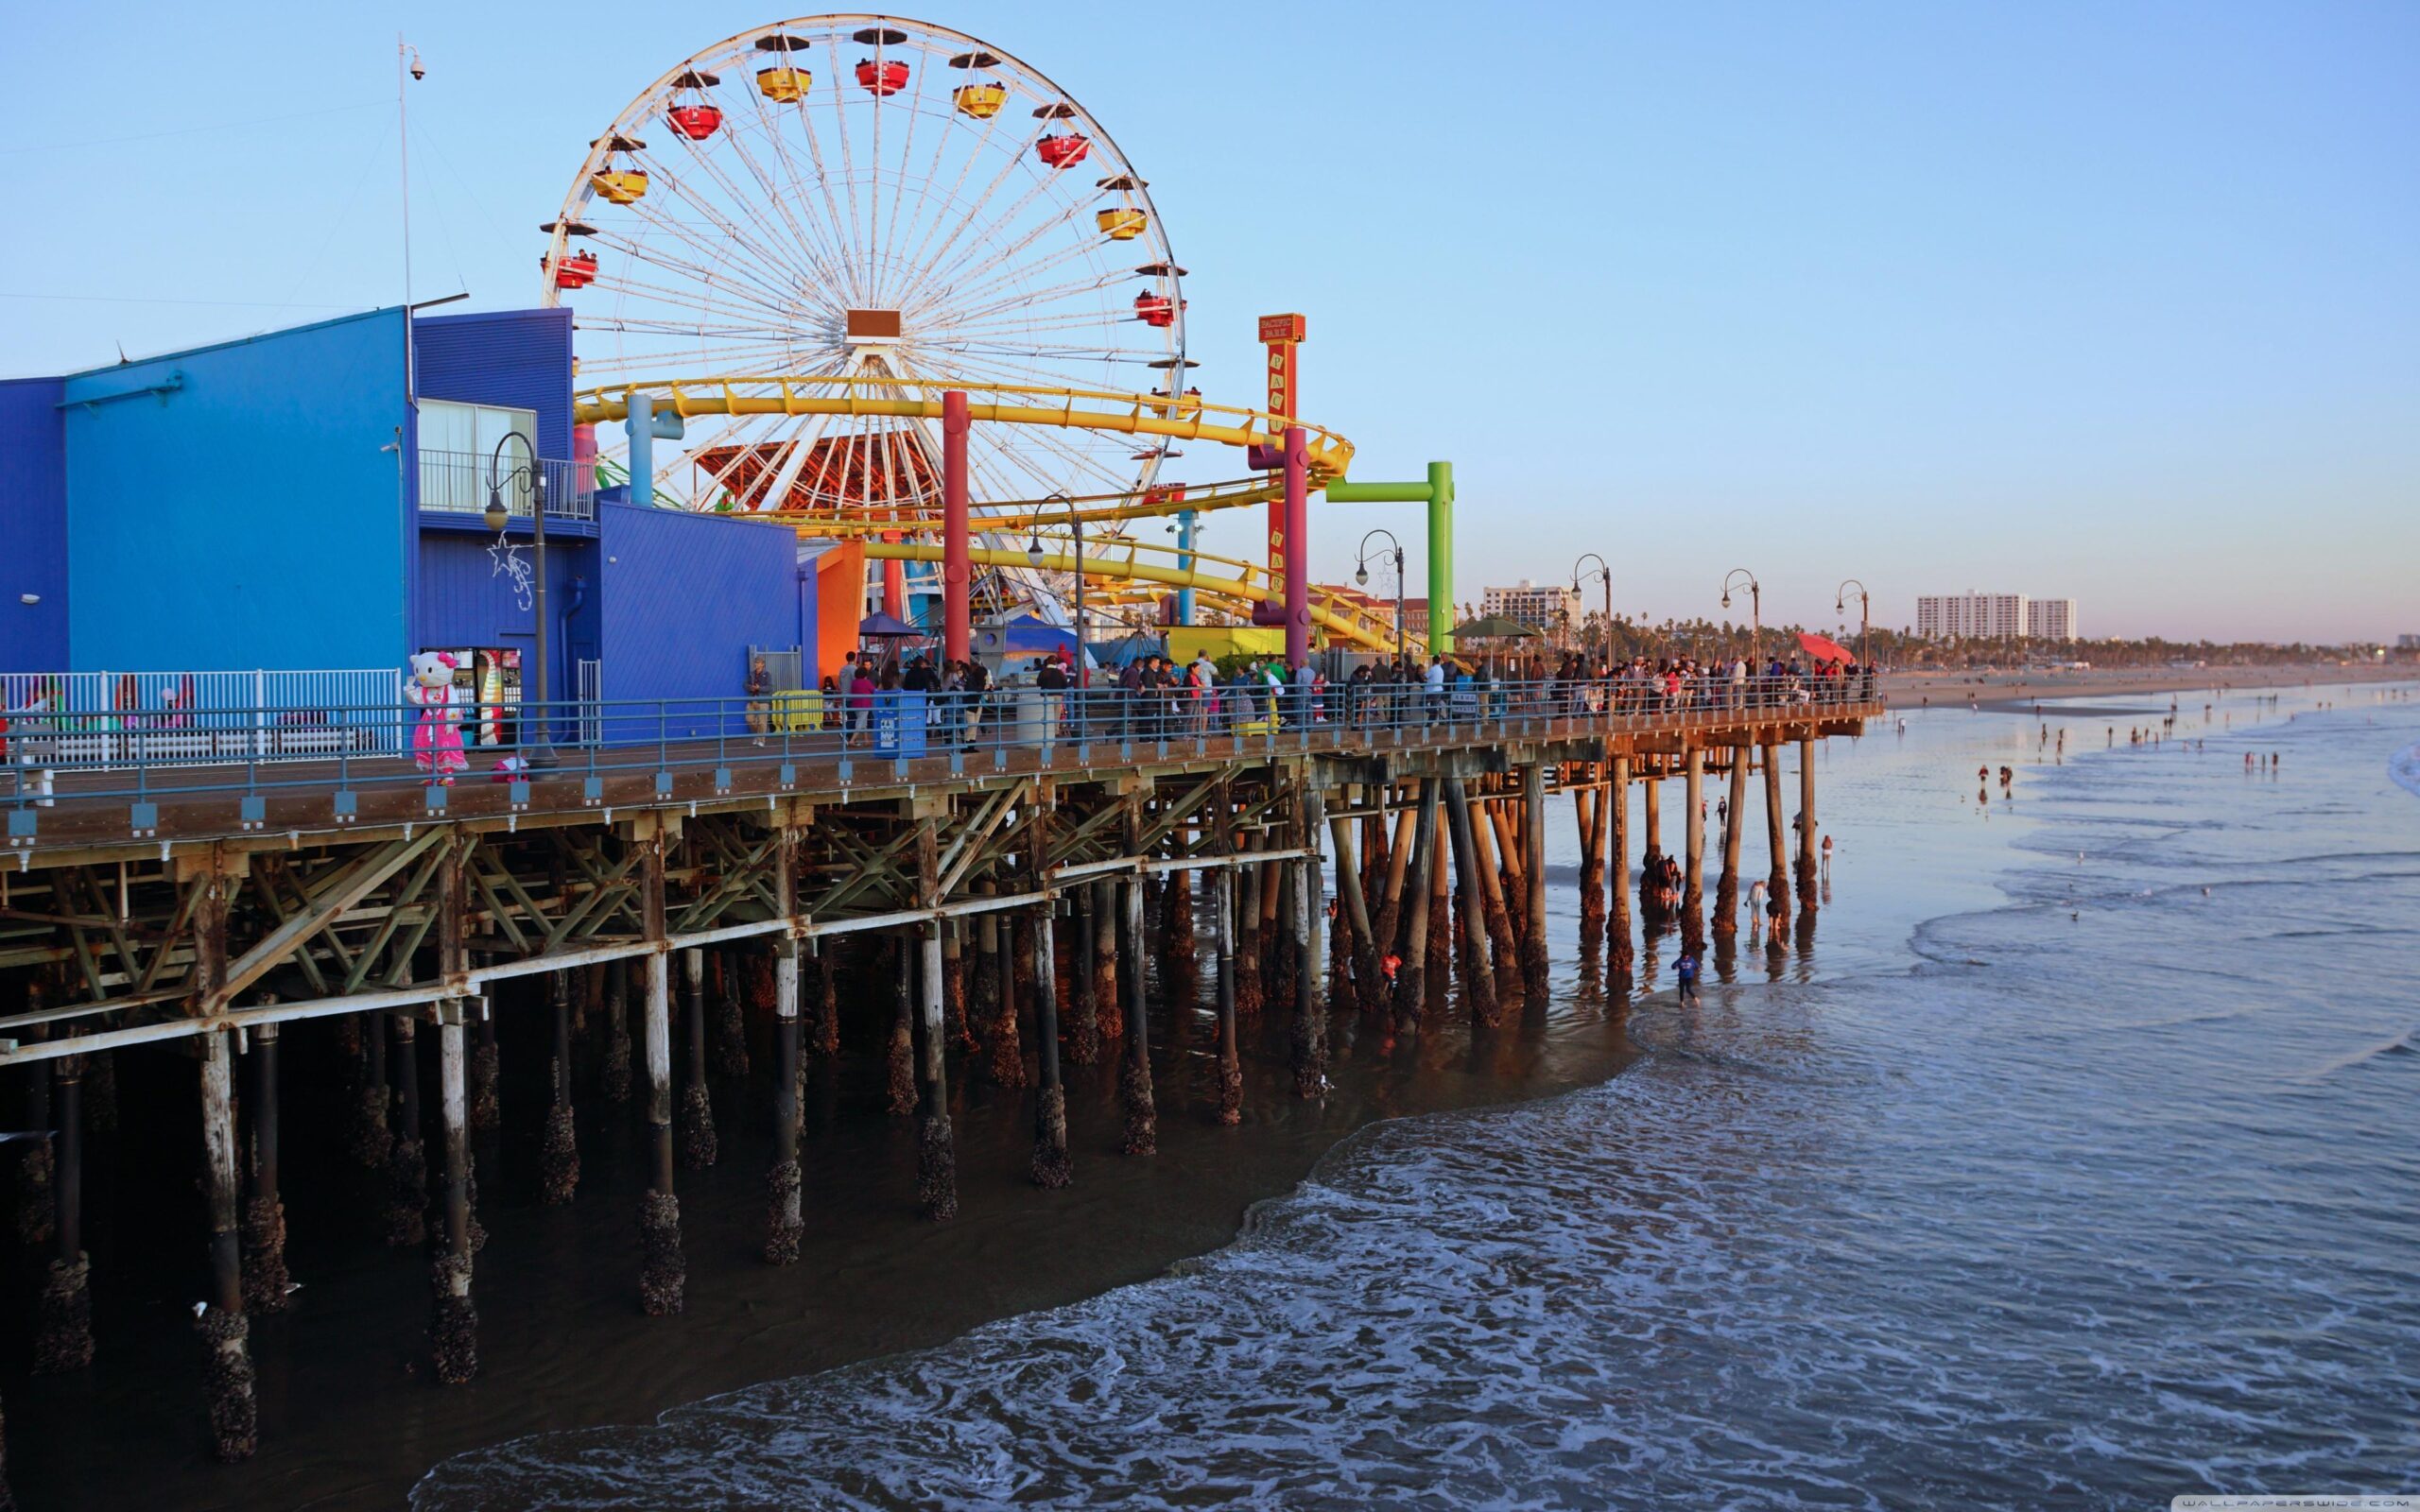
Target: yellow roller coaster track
(1184, 417)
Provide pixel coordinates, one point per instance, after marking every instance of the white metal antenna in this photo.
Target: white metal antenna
(407, 61)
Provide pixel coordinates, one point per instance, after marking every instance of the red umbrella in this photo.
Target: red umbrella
(1823, 649)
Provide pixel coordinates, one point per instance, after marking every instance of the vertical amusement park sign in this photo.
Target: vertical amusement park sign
(1281, 335)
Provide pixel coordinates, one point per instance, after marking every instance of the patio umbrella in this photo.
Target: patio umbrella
(1493, 628)
(1823, 648)
(880, 626)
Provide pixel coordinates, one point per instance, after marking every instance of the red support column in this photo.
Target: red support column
(957, 569)
(1297, 541)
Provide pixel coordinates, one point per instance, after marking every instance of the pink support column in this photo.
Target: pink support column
(1298, 546)
(957, 570)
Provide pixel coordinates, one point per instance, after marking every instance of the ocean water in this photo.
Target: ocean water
(2075, 1166)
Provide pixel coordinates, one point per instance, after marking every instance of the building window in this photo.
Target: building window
(456, 442)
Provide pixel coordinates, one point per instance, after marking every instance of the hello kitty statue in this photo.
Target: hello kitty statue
(437, 745)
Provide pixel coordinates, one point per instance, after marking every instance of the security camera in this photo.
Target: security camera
(419, 72)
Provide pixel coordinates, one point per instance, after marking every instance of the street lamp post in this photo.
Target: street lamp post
(539, 752)
(1361, 577)
(1756, 610)
(1605, 571)
(1864, 619)
(1033, 554)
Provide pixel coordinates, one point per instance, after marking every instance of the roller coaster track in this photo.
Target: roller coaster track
(1184, 417)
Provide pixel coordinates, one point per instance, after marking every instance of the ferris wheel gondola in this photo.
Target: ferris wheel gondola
(879, 201)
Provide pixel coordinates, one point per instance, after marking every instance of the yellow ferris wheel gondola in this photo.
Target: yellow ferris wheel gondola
(783, 81)
(620, 185)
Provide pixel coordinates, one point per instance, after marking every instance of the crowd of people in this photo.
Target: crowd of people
(1154, 697)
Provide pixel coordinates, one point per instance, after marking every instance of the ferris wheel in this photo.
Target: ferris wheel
(895, 208)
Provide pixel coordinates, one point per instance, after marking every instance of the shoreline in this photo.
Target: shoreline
(2020, 690)
(349, 1415)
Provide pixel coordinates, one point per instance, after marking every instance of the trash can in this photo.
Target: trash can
(899, 724)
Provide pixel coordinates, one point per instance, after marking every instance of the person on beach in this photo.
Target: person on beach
(1684, 973)
(1828, 858)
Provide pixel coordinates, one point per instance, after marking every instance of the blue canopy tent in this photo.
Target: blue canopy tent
(1132, 649)
(1028, 635)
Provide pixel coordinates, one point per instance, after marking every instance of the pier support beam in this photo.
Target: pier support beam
(1806, 893)
(265, 1277)
(1777, 882)
(373, 1141)
(1106, 928)
(1726, 887)
(785, 1181)
(1651, 903)
(1310, 1009)
(1051, 1167)
(227, 1374)
(1365, 991)
(698, 1148)
(1246, 923)
(1222, 929)
(615, 1079)
(1083, 1039)
(664, 1271)
(1621, 947)
(1535, 956)
(406, 1159)
(936, 1147)
(559, 1151)
(785, 1215)
(1411, 950)
(902, 1064)
(1135, 1074)
(1003, 1045)
(64, 1334)
(455, 1324)
(1693, 875)
(1478, 978)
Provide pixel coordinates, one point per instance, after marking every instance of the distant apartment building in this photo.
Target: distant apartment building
(1544, 608)
(1972, 616)
(2051, 619)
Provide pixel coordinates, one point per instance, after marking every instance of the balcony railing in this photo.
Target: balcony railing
(457, 483)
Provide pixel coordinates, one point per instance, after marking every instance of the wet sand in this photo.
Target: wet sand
(349, 1415)
(2020, 690)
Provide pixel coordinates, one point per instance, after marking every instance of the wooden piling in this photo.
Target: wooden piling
(1490, 830)
(64, 1325)
(1106, 928)
(1650, 903)
(559, 1148)
(228, 1383)
(1135, 1074)
(264, 1274)
(1003, 1046)
(1223, 927)
(1083, 1035)
(1365, 991)
(454, 1323)
(1248, 936)
(1587, 813)
(664, 1271)
(1620, 944)
(1726, 887)
(730, 1016)
(1693, 872)
(1534, 954)
(1051, 1167)
(1777, 882)
(902, 1062)
(1479, 977)
(407, 1161)
(1806, 871)
(785, 1182)
(1410, 949)
(615, 1079)
(1310, 1010)
(700, 1149)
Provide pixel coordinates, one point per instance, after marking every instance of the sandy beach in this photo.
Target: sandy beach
(2017, 689)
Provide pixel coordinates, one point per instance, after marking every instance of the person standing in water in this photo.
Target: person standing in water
(1684, 972)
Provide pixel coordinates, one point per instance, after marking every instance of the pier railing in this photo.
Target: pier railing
(827, 740)
(457, 483)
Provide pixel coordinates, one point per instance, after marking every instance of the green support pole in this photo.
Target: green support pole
(1441, 557)
(1438, 493)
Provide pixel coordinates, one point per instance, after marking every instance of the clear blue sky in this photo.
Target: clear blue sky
(2120, 301)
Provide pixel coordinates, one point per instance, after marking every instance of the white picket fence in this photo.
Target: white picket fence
(97, 720)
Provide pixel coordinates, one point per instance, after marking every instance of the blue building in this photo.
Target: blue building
(286, 503)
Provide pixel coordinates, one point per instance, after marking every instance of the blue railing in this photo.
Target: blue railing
(831, 735)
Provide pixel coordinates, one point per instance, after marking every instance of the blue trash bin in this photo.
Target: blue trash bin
(899, 724)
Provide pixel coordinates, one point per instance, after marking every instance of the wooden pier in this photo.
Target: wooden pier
(1002, 899)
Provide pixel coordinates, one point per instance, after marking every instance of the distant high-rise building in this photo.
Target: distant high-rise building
(1544, 608)
(1971, 616)
(2051, 619)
